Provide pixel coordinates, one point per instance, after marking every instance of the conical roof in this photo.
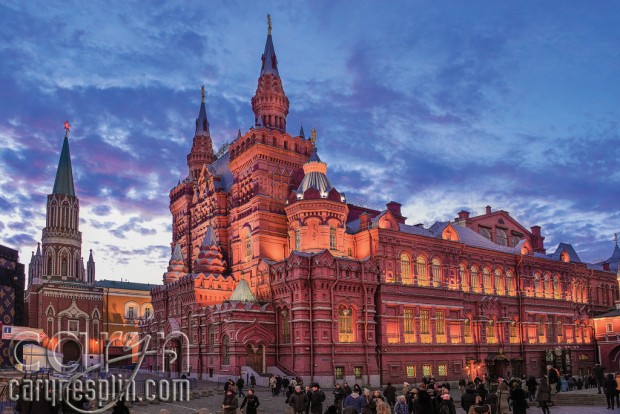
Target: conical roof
(243, 293)
(270, 63)
(177, 253)
(209, 239)
(64, 174)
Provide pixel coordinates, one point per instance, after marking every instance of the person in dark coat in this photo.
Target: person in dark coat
(230, 403)
(347, 389)
(338, 397)
(390, 394)
(426, 402)
(240, 384)
(298, 400)
(316, 400)
(251, 401)
(446, 401)
(544, 395)
(491, 401)
(252, 381)
(120, 407)
(609, 387)
(309, 395)
(531, 385)
(519, 398)
(469, 397)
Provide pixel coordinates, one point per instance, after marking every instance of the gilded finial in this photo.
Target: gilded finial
(67, 129)
(269, 24)
(202, 89)
(313, 139)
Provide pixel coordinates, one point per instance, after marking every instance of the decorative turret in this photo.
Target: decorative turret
(176, 267)
(202, 147)
(35, 268)
(270, 104)
(316, 211)
(210, 260)
(90, 269)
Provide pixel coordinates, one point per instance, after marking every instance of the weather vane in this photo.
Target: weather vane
(313, 139)
(67, 129)
(269, 24)
(202, 89)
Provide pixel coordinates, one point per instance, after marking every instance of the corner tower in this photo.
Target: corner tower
(202, 146)
(270, 104)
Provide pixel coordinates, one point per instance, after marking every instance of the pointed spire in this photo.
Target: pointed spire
(38, 249)
(64, 174)
(90, 268)
(202, 123)
(301, 132)
(243, 293)
(209, 239)
(238, 133)
(176, 265)
(270, 63)
(177, 254)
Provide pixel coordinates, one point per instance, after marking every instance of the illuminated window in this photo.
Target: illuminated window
(499, 283)
(436, 271)
(297, 238)
(345, 325)
(490, 328)
(538, 290)
(393, 335)
(540, 328)
(332, 238)
(512, 332)
(405, 269)
(467, 331)
(475, 280)
(547, 287)
(285, 327)
(510, 283)
(339, 373)
(422, 271)
(442, 370)
(502, 238)
(486, 233)
(424, 325)
(463, 278)
(426, 370)
(486, 281)
(557, 287)
(225, 350)
(609, 327)
(410, 371)
(358, 371)
(559, 330)
(408, 325)
(440, 323)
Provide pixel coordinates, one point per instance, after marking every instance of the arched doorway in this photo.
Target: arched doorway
(254, 357)
(71, 352)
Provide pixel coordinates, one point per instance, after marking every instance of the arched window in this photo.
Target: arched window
(486, 281)
(421, 270)
(225, 350)
(247, 243)
(49, 264)
(464, 278)
(52, 216)
(436, 271)
(490, 328)
(510, 283)
(332, 238)
(475, 280)
(557, 287)
(502, 238)
(405, 269)
(211, 330)
(63, 265)
(467, 331)
(345, 325)
(285, 328)
(297, 238)
(547, 287)
(484, 232)
(538, 289)
(499, 283)
(65, 215)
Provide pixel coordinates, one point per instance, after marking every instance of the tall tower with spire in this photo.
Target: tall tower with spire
(270, 104)
(61, 253)
(202, 147)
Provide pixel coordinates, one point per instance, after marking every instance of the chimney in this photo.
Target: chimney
(394, 208)
(463, 215)
(364, 220)
(535, 230)
(488, 210)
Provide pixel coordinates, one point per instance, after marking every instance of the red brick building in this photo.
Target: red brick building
(333, 291)
(61, 293)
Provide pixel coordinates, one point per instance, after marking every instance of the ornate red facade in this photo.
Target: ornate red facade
(329, 290)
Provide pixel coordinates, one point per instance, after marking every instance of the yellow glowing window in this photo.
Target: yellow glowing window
(442, 370)
(405, 269)
(345, 325)
(426, 370)
(410, 371)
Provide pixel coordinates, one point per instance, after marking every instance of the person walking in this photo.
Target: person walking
(390, 394)
(272, 385)
(518, 397)
(531, 384)
(609, 388)
(446, 405)
(240, 384)
(298, 400)
(252, 381)
(544, 395)
(503, 397)
(230, 403)
(317, 399)
(338, 397)
(251, 401)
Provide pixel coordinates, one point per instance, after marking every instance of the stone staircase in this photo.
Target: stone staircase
(577, 398)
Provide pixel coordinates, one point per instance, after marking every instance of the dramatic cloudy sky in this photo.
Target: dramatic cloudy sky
(440, 107)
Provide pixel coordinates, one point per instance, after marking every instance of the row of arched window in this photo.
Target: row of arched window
(481, 279)
(63, 216)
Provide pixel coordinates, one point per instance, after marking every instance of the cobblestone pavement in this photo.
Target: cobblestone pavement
(276, 405)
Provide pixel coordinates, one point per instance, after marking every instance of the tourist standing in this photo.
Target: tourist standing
(503, 397)
(401, 406)
(298, 400)
(355, 401)
(519, 399)
(230, 403)
(544, 395)
(251, 401)
(240, 384)
(609, 387)
(316, 400)
(338, 397)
